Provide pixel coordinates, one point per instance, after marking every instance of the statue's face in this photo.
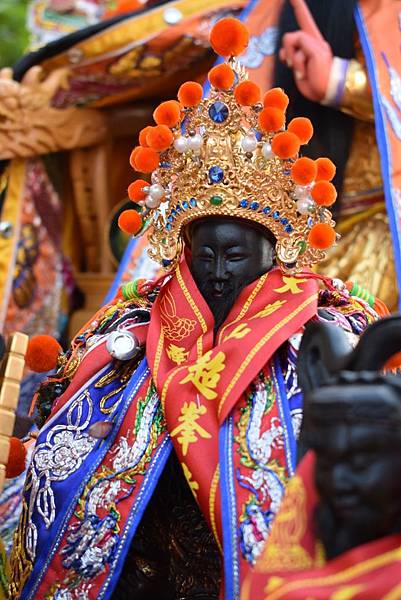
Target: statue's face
(227, 255)
(357, 476)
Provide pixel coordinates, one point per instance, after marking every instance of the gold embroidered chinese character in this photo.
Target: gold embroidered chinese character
(270, 309)
(194, 485)
(239, 332)
(291, 284)
(177, 354)
(189, 430)
(205, 374)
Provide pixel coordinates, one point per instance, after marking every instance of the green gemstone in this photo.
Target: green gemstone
(302, 247)
(216, 200)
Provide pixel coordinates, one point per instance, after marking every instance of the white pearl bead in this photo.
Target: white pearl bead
(152, 202)
(304, 206)
(156, 191)
(195, 142)
(301, 192)
(249, 143)
(181, 144)
(267, 151)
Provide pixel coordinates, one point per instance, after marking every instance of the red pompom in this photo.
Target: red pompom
(160, 138)
(322, 236)
(285, 145)
(190, 94)
(247, 93)
(229, 37)
(221, 77)
(271, 119)
(276, 98)
(324, 193)
(42, 354)
(135, 190)
(168, 113)
(302, 127)
(146, 160)
(16, 458)
(304, 171)
(143, 135)
(133, 155)
(130, 221)
(326, 169)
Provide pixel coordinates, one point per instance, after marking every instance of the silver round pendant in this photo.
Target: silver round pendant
(122, 345)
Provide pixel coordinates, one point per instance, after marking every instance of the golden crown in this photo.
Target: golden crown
(230, 155)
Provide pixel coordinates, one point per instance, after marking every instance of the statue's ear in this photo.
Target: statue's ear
(377, 345)
(324, 350)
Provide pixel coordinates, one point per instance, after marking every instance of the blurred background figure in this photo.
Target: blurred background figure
(338, 61)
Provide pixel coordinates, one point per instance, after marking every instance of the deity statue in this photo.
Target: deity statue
(348, 523)
(169, 428)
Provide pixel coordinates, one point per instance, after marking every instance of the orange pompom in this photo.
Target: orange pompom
(143, 135)
(304, 171)
(321, 236)
(326, 169)
(190, 93)
(135, 190)
(247, 93)
(130, 221)
(134, 153)
(168, 113)
(285, 145)
(221, 77)
(271, 119)
(16, 458)
(42, 354)
(302, 127)
(229, 37)
(276, 98)
(160, 138)
(324, 193)
(146, 160)
(393, 363)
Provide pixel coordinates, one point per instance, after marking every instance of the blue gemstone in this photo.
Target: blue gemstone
(170, 219)
(169, 226)
(243, 203)
(218, 112)
(178, 208)
(276, 215)
(258, 135)
(185, 205)
(166, 263)
(266, 210)
(287, 172)
(216, 174)
(284, 221)
(192, 202)
(289, 229)
(254, 205)
(310, 222)
(174, 212)
(165, 165)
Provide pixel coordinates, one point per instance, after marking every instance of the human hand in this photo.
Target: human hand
(308, 54)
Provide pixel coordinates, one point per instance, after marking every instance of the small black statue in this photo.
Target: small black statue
(353, 423)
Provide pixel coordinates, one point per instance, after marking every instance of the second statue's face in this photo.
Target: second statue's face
(357, 467)
(227, 255)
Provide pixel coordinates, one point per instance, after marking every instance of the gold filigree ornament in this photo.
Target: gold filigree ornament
(230, 155)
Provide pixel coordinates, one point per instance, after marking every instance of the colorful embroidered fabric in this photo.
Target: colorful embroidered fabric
(80, 515)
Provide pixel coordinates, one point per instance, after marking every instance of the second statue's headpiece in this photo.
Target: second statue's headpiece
(230, 155)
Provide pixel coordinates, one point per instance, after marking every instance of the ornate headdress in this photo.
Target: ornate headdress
(229, 154)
